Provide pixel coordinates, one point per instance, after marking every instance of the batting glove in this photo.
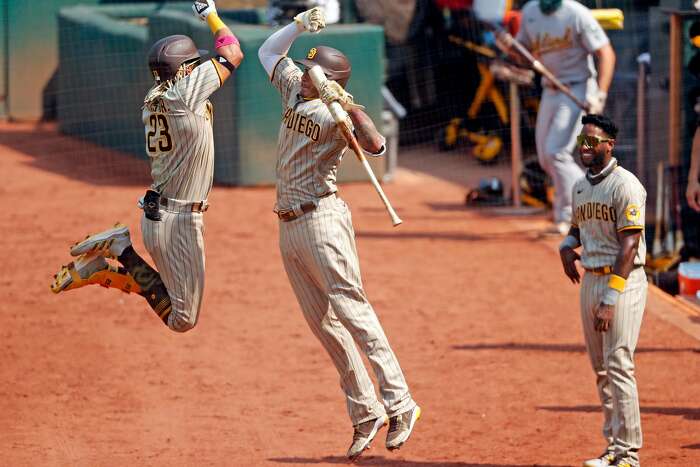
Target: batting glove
(331, 91)
(596, 102)
(312, 20)
(203, 8)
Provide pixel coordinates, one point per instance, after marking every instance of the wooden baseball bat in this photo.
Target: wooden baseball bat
(668, 221)
(340, 116)
(677, 219)
(536, 64)
(656, 246)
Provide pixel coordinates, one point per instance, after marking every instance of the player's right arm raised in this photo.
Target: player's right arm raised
(275, 48)
(227, 45)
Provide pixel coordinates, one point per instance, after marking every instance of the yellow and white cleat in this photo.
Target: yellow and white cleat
(110, 243)
(92, 268)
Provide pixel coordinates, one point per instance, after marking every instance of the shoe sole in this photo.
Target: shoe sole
(414, 419)
(101, 241)
(375, 429)
(69, 274)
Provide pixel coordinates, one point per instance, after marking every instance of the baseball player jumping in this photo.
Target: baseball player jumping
(564, 37)
(177, 116)
(608, 223)
(317, 240)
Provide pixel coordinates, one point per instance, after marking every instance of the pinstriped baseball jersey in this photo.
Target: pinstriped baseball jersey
(179, 135)
(180, 143)
(310, 146)
(320, 256)
(602, 210)
(605, 204)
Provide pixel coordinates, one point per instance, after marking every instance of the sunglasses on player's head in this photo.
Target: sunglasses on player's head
(591, 141)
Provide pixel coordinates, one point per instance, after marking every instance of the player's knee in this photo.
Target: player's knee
(619, 364)
(182, 321)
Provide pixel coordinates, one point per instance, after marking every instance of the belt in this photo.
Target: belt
(287, 215)
(600, 271)
(605, 270)
(175, 205)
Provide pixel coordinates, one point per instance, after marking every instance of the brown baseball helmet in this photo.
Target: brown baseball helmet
(334, 63)
(168, 54)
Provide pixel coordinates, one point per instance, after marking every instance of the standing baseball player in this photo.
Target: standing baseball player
(608, 224)
(177, 116)
(317, 241)
(564, 37)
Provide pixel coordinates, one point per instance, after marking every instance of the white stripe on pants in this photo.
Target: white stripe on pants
(612, 358)
(320, 257)
(176, 244)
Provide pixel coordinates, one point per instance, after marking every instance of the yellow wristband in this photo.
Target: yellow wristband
(617, 283)
(215, 22)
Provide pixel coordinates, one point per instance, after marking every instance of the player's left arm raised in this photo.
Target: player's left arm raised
(365, 131)
(227, 45)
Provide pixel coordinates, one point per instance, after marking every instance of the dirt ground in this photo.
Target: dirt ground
(475, 305)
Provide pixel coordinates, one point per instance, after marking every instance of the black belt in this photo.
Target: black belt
(287, 215)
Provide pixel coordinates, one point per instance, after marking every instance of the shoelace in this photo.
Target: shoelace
(396, 422)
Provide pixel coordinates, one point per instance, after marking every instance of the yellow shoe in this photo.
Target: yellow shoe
(92, 268)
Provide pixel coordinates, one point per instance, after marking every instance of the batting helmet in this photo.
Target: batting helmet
(168, 54)
(334, 63)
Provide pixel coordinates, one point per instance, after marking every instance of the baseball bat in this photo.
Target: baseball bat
(536, 64)
(676, 196)
(340, 116)
(668, 221)
(656, 246)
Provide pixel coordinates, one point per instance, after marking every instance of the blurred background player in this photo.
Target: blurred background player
(564, 36)
(608, 224)
(317, 240)
(178, 119)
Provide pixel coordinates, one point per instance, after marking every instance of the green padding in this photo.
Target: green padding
(104, 76)
(248, 110)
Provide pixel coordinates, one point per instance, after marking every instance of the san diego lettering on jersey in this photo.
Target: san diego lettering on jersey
(597, 211)
(302, 124)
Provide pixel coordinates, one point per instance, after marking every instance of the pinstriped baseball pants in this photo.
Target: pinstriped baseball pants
(176, 244)
(320, 257)
(612, 357)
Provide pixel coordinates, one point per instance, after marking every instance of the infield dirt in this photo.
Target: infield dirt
(476, 307)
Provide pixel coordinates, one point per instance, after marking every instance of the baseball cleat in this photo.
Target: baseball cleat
(400, 428)
(364, 434)
(110, 242)
(623, 464)
(92, 268)
(604, 460)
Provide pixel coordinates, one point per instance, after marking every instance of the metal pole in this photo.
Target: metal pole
(516, 150)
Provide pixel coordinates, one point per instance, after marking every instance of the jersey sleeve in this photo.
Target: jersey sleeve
(574, 218)
(592, 35)
(286, 78)
(629, 200)
(196, 88)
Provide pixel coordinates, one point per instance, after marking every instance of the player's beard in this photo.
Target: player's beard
(597, 159)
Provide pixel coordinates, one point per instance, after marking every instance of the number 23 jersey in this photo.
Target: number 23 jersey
(178, 120)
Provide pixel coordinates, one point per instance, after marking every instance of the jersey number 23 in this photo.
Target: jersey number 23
(158, 137)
